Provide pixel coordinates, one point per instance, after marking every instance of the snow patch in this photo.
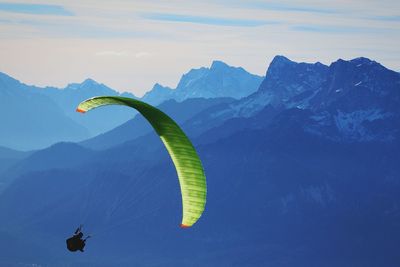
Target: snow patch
(252, 105)
(351, 125)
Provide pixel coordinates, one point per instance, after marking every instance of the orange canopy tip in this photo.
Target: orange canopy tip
(80, 110)
(184, 226)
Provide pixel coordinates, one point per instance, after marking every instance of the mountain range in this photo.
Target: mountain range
(44, 116)
(302, 172)
(348, 100)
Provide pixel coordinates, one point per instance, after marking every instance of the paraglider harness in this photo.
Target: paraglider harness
(76, 242)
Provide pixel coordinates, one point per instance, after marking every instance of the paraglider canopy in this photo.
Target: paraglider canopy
(188, 166)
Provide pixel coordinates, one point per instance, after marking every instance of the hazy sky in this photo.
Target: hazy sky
(130, 45)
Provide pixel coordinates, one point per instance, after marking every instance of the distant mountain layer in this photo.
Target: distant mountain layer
(100, 121)
(10, 153)
(30, 119)
(34, 117)
(220, 80)
(8, 158)
(43, 116)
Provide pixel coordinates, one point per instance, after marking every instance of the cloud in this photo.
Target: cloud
(37, 9)
(218, 21)
(386, 18)
(339, 29)
(304, 8)
(324, 29)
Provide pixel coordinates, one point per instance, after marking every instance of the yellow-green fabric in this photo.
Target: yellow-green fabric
(188, 166)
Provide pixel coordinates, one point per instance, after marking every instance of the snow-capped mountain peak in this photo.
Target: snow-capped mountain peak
(219, 80)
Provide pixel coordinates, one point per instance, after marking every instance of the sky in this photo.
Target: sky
(131, 45)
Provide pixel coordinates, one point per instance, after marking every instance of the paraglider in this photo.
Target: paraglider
(76, 242)
(188, 166)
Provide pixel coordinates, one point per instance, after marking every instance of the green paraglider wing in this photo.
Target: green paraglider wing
(187, 163)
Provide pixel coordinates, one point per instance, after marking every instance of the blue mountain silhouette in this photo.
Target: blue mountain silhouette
(303, 172)
(41, 117)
